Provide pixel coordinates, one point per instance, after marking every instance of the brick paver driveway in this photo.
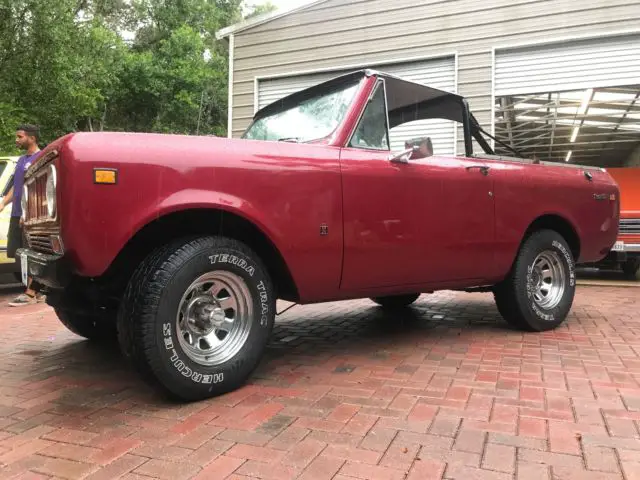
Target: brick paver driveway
(345, 392)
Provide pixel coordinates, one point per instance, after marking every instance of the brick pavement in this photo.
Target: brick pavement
(344, 392)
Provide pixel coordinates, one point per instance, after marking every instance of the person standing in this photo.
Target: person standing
(27, 137)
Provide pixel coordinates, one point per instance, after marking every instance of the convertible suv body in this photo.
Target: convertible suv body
(179, 246)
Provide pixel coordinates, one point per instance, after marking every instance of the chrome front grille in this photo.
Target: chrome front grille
(40, 242)
(630, 226)
(37, 198)
(39, 178)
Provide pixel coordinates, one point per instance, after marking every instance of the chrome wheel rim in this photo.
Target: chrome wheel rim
(214, 318)
(548, 279)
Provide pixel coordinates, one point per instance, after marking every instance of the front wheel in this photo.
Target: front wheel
(196, 317)
(538, 293)
(91, 327)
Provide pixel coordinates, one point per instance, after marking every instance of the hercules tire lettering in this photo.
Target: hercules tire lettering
(569, 259)
(180, 365)
(148, 312)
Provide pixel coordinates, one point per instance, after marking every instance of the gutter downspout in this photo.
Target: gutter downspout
(230, 87)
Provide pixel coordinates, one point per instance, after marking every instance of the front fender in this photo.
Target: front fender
(93, 263)
(192, 199)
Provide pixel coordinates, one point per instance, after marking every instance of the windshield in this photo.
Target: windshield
(310, 119)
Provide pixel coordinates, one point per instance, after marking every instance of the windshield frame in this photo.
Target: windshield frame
(293, 101)
(378, 83)
(367, 80)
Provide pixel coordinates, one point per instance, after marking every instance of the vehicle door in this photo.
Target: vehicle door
(410, 222)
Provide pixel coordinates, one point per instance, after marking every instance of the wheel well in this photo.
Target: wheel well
(560, 225)
(202, 222)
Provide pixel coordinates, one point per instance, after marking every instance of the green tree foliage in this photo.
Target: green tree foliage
(53, 69)
(124, 65)
(260, 9)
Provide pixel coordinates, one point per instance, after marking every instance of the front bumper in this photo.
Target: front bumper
(626, 247)
(50, 270)
(632, 247)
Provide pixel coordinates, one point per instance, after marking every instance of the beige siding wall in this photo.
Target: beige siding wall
(338, 33)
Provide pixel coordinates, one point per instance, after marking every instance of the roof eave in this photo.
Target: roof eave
(261, 19)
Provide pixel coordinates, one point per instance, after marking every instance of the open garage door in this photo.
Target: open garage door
(573, 101)
(438, 73)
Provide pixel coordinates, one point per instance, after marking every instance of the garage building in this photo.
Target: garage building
(557, 79)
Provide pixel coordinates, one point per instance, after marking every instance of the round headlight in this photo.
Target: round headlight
(51, 191)
(24, 202)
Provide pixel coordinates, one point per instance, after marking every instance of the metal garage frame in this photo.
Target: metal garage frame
(541, 43)
(571, 42)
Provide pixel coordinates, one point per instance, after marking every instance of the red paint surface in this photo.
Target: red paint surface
(428, 224)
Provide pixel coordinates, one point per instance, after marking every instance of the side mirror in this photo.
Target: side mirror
(403, 157)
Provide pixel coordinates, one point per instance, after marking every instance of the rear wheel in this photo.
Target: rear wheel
(196, 317)
(631, 266)
(396, 301)
(538, 293)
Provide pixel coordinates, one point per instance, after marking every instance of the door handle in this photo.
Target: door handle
(484, 170)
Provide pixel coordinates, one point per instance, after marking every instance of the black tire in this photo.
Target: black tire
(515, 295)
(630, 267)
(148, 324)
(92, 328)
(396, 301)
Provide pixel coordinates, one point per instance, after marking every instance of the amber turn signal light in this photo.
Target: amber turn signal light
(105, 176)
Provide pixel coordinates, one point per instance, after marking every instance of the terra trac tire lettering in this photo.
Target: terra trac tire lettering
(233, 260)
(177, 346)
(544, 316)
(264, 304)
(250, 269)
